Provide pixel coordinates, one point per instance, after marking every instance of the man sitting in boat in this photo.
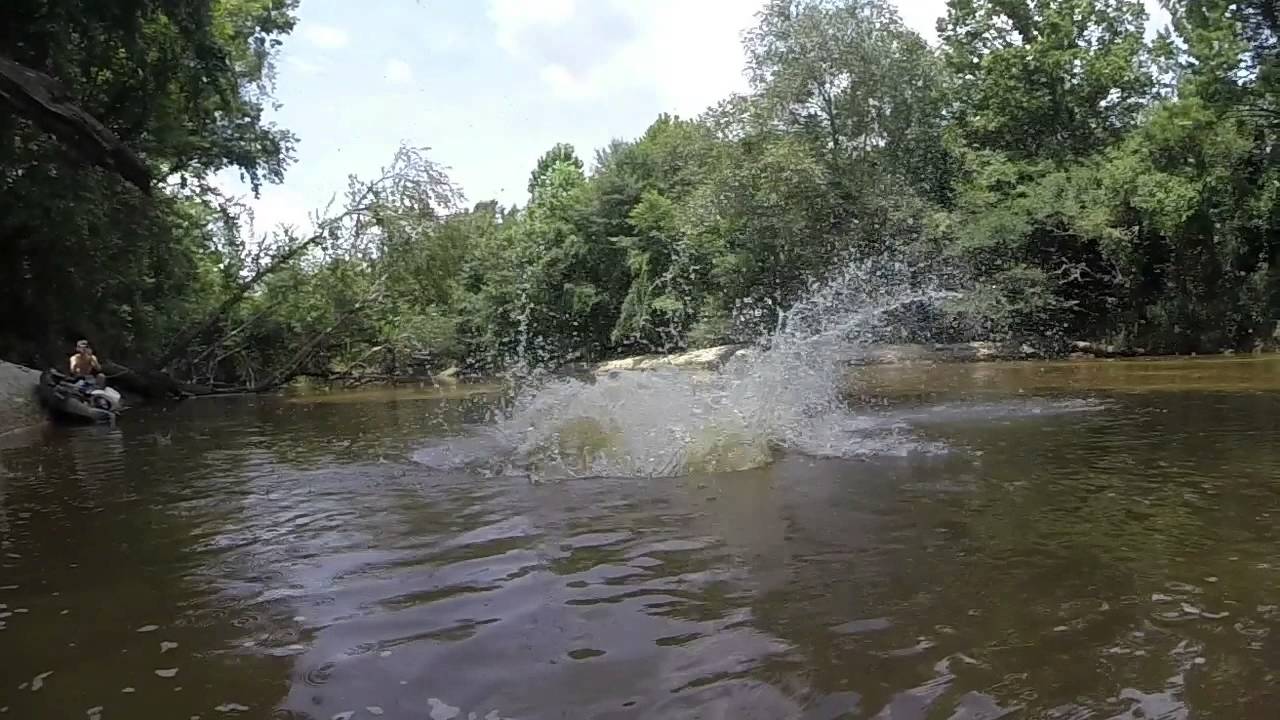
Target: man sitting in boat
(85, 368)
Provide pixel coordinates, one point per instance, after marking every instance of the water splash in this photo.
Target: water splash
(781, 394)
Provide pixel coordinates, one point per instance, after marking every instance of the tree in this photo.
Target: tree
(861, 88)
(1052, 79)
(569, 270)
(1039, 90)
(560, 152)
(376, 278)
(182, 84)
(636, 192)
(1233, 55)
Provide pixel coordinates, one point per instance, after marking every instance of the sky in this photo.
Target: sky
(489, 85)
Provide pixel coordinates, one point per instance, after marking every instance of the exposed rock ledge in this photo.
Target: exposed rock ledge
(714, 358)
(711, 358)
(18, 405)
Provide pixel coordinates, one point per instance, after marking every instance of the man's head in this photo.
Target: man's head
(82, 347)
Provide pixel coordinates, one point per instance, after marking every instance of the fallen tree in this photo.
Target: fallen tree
(154, 384)
(257, 338)
(292, 248)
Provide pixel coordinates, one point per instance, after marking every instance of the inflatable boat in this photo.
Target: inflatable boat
(69, 401)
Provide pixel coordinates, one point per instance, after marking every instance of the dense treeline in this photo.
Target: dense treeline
(83, 252)
(1088, 183)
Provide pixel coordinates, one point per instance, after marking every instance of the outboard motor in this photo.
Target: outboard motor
(105, 399)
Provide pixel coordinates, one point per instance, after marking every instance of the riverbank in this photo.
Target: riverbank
(982, 351)
(18, 405)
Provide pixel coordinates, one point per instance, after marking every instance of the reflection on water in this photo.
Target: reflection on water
(1089, 546)
(1225, 374)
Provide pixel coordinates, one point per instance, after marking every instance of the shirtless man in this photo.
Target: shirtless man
(85, 366)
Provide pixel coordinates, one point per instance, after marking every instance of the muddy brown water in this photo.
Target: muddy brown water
(285, 557)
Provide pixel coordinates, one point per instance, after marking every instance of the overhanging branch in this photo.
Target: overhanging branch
(44, 102)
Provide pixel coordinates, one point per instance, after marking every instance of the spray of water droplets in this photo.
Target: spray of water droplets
(781, 394)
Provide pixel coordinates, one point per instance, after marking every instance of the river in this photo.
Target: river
(1059, 540)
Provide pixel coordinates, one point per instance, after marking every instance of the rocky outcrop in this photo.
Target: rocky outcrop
(447, 378)
(712, 358)
(19, 407)
(1082, 349)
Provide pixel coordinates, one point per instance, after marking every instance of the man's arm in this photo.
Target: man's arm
(71, 365)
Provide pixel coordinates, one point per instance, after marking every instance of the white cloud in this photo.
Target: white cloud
(563, 84)
(513, 18)
(277, 206)
(922, 16)
(398, 72)
(693, 50)
(326, 36)
(304, 67)
(1157, 18)
(449, 39)
(687, 54)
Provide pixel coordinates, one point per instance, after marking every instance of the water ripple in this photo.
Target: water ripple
(1110, 563)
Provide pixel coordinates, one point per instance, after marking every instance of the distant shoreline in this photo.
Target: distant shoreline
(19, 408)
(982, 351)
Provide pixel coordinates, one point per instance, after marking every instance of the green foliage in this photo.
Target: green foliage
(1090, 206)
(1083, 182)
(1050, 79)
(561, 153)
(861, 89)
(183, 83)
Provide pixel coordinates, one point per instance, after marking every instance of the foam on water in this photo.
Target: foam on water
(782, 394)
